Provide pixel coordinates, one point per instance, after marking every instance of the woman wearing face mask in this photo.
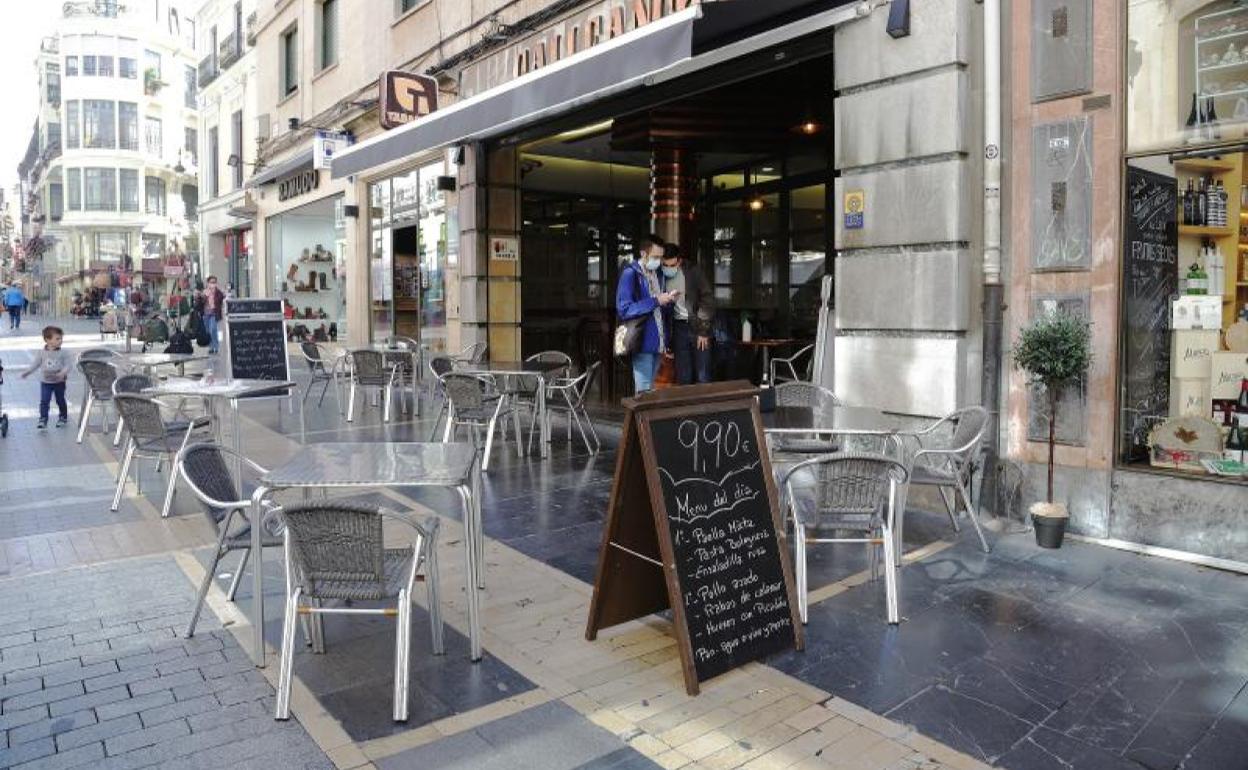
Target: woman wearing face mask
(640, 294)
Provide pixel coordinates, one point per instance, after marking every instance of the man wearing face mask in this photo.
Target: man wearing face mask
(692, 314)
(640, 294)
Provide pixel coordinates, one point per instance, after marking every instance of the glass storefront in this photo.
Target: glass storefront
(412, 240)
(1184, 347)
(307, 250)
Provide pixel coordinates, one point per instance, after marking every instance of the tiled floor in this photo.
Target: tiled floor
(1084, 657)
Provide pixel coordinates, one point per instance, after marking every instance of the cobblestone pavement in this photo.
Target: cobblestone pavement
(93, 672)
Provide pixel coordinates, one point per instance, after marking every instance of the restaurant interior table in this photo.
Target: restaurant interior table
(344, 465)
(536, 369)
(767, 345)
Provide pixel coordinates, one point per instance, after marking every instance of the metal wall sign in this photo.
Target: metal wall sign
(405, 96)
(299, 183)
(326, 145)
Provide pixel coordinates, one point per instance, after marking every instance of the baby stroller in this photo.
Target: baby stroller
(4, 418)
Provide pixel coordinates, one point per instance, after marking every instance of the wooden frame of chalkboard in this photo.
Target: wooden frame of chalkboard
(715, 557)
(255, 340)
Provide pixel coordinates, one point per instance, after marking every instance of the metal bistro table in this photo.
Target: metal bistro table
(393, 353)
(149, 361)
(356, 465)
(536, 369)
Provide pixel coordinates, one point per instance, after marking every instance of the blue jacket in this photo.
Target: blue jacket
(13, 297)
(633, 299)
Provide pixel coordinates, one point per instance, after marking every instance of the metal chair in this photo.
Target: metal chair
(789, 365)
(847, 492)
(369, 369)
(206, 470)
(472, 405)
(335, 551)
(152, 436)
(320, 373)
(133, 384)
(473, 354)
(523, 388)
(573, 392)
(439, 366)
(99, 376)
(949, 466)
(810, 396)
(805, 394)
(406, 358)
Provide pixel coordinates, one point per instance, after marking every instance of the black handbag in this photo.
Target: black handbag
(629, 335)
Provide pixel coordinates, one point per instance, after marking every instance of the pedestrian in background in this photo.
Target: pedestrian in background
(639, 297)
(52, 363)
(214, 307)
(692, 316)
(15, 302)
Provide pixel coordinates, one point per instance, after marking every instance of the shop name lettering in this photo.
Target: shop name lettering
(300, 184)
(571, 36)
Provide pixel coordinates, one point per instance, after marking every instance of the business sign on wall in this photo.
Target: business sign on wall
(299, 183)
(326, 145)
(405, 96)
(578, 32)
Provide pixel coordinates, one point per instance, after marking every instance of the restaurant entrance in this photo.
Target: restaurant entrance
(738, 176)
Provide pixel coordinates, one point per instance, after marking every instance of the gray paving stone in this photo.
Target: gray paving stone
(90, 700)
(165, 682)
(20, 686)
(143, 639)
(85, 672)
(72, 652)
(11, 719)
(37, 671)
(187, 662)
(50, 727)
(245, 692)
(99, 732)
(236, 666)
(13, 640)
(202, 643)
(40, 697)
(119, 678)
(26, 752)
(134, 705)
(210, 720)
(66, 629)
(83, 755)
(146, 737)
(107, 632)
(180, 710)
(139, 659)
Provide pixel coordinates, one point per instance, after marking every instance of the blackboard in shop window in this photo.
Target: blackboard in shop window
(694, 526)
(1150, 279)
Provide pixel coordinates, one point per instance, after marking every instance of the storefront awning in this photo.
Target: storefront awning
(286, 167)
(698, 37)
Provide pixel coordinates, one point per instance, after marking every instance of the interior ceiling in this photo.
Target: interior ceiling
(730, 126)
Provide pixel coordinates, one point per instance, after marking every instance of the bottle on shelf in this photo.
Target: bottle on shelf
(1189, 203)
(1223, 201)
(1241, 405)
(1236, 444)
(1211, 120)
(1192, 127)
(1202, 205)
(1216, 267)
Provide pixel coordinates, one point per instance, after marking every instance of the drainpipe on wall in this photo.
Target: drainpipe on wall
(993, 309)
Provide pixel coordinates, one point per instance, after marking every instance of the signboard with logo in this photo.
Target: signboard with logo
(855, 209)
(298, 183)
(326, 145)
(405, 96)
(505, 249)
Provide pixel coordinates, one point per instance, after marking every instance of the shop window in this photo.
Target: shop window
(101, 189)
(99, 124)
(129, 179)
(1187, 73)
(128, 125)
(73, 133)
(155, 194)
(309, 248)
(73, 196)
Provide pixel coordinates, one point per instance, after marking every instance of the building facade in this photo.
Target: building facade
(226, 137)
(112, 190)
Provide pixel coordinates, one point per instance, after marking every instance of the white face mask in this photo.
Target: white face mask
(653, 263)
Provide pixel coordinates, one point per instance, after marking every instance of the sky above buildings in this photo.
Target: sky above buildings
(26, 22)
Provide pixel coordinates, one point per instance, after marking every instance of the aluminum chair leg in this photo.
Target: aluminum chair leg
(970, 511)
(170, 490)
(282, 711)
(401, 650)
(433, 590)
(203, 586)
(890, 576)
(515, 420)
(799, 559)
(122, 473)
(949, 507)
(121, 422)
(489, 442)
(85, 417)
(238, 574)
(316, 630)
(385, 410)
(351, 403)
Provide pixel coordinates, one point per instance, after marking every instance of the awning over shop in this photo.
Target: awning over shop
(286, 167)
(695, 38)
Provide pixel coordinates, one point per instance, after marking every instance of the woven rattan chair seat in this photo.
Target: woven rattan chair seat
(331, 585)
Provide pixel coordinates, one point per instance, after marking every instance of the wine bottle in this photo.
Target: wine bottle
(1235, 445)
(1223, 204)
(1202, 205)
(1241, 405)
(1192, 125)
(1211, 120)
(1189, 203)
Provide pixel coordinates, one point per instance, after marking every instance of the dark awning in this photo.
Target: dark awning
(296, 162)
(695, 38)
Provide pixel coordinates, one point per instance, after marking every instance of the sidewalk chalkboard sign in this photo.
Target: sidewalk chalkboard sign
(694, 525)
(255, 340)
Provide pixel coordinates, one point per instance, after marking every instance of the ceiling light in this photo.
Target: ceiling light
(809, 128)
(757, 204)
(769, 169)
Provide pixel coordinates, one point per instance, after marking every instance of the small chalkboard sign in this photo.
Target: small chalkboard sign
(694, 525)
(255, 339)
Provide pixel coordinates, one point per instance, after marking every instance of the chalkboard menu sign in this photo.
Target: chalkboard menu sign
(255, 338)
(1150, 279)
(694, 525)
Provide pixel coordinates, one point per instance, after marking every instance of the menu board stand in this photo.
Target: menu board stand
(694, 526)
(255, 340)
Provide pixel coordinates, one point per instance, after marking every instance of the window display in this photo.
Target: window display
(308, 247)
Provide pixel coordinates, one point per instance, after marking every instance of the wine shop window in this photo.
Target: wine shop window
(1184, 405)
(1187, 73)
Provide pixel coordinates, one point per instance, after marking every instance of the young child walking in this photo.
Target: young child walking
(53, 365)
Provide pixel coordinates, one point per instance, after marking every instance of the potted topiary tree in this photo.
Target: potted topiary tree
(1054, 351)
